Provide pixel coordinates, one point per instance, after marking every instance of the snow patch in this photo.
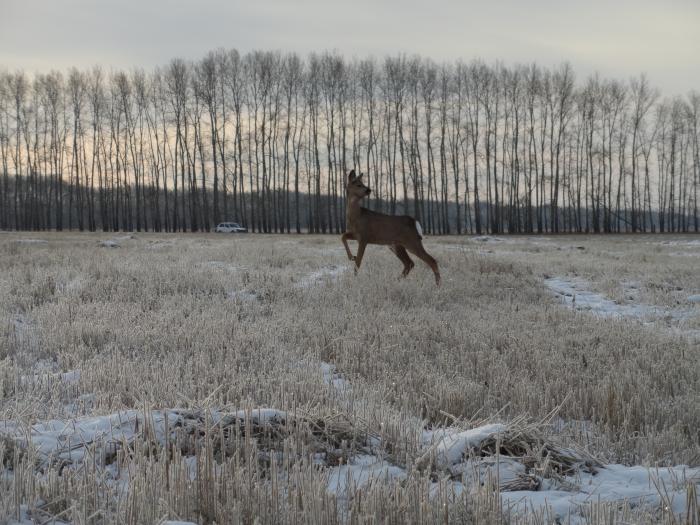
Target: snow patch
(25, 331)
(694, 242)
(482, 471)
(575, 292)
(637, 486)
(68, 440)
(81, 404)
(159, 244)
(262, 416)
(31, 241)
(33, 516)
(333, 378)
(488, 238)
(69, 378)
(115, 242)
(362, 471)
(450, 445)
(242, 296)
(325, 274)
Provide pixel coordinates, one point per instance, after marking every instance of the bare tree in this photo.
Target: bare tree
(643, 98)
(266, 139)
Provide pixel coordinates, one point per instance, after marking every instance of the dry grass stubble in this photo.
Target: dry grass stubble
(229, 323)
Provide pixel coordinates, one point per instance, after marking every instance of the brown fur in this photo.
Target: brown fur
(370, 227)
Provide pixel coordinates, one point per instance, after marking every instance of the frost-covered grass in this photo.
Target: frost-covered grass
(133, 366)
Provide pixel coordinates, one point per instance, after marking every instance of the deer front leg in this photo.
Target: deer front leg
(344, 238)
(360, 253)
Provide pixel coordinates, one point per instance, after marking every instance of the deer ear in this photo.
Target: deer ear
(352, 177)
(360, 177)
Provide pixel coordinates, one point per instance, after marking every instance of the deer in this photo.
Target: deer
(402, 233)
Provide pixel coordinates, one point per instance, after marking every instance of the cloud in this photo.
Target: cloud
(618, 39)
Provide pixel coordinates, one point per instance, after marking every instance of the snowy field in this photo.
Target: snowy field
(204, 379)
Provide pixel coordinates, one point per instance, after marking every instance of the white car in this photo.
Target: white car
(230, 227)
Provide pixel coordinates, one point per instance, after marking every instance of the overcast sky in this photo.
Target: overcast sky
(615, 38)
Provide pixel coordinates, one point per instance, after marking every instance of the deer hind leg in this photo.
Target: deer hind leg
(402, 254)
(360, 253)
(418, 250)
(344, 238)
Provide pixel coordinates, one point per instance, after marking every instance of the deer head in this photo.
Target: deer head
(355, 188)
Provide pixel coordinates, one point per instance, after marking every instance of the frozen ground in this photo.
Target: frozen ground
(544, 381)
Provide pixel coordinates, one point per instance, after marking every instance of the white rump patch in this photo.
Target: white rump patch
(419, 230)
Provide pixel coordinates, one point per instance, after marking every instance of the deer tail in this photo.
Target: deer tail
(419, 230)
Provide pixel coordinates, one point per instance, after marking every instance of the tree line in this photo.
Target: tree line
(266, 139)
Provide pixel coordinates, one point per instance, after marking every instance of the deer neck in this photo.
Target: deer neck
(353, 211)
